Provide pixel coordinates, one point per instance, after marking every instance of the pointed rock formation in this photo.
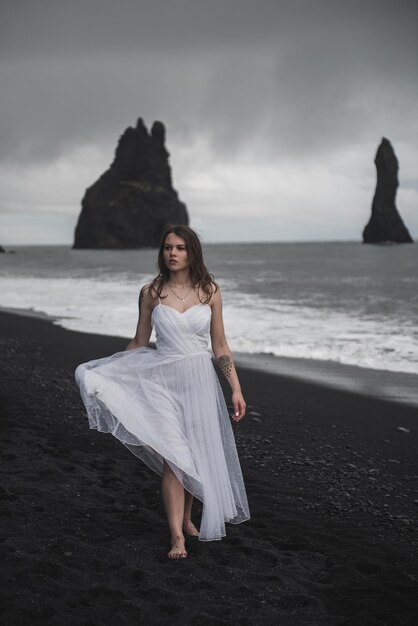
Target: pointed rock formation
(385, 224)
(132, 202)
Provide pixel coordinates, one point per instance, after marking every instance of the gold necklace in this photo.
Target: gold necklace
(178, 297)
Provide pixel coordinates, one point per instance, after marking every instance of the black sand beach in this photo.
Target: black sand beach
(332, 485)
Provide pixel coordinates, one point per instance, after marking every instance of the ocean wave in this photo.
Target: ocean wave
(267, 326)
(255, 325)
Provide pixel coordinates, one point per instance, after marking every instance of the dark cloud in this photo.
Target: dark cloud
(286, 78)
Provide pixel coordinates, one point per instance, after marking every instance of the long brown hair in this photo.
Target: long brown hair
(199, 275)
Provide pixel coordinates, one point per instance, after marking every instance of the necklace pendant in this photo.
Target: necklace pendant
(178, 297)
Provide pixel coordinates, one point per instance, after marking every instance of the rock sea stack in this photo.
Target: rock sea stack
(385, 224)
(132, 202)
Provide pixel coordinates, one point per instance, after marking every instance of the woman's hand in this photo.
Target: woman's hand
(239, 405)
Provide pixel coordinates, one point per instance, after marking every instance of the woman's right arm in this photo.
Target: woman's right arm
(143, 328)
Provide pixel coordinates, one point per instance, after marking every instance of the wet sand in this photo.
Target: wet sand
(332, 484)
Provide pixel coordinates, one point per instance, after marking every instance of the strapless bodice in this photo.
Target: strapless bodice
(182, 333)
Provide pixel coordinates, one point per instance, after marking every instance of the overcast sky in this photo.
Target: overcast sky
(274, 109)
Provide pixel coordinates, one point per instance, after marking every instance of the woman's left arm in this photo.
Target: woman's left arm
(223, 356)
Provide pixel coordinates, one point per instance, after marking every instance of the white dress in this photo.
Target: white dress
(168, 404)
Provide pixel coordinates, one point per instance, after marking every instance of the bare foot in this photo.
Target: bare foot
(178, 551)
(190, 529)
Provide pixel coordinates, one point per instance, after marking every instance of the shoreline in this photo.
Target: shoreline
(331, 480)
(388, 385)
(394, 386)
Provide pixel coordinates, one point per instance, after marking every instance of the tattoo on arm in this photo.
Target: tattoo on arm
(225, 364)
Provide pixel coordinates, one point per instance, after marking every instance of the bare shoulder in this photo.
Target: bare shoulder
(145, 289)
(147, 296)
(216, 297)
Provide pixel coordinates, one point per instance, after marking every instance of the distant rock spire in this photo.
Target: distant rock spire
(385, 224)
(132, 202)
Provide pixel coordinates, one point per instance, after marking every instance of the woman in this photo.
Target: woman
(167, 405)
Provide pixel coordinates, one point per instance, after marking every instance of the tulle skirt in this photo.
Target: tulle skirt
(171, 407)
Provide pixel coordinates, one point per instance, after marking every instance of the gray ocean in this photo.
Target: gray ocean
(325, 310)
